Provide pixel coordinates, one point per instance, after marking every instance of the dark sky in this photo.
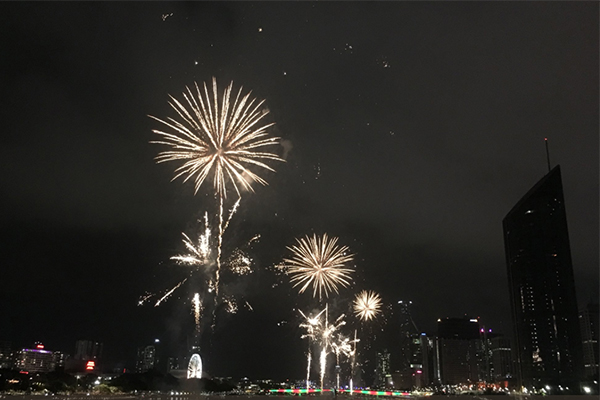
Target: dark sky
(414, 127)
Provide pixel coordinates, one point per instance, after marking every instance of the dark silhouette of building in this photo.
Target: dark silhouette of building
(502, 365)
(588, 318)
(404, 355)
(88, 350)
(458, 346)
(547, 342)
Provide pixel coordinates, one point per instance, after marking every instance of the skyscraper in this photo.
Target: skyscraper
(588, 318)
(458, 344)
(542, 290)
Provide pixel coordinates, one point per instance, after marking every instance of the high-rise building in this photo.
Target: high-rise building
(403, 351)
(502, 365)
(383, 377)
(458, 345)
(35, 360)
(588, 319)
(146, 359)
(6, 354)
(88, 350)
(542, 289)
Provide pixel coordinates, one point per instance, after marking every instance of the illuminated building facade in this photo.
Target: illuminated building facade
(383, 377)
(146, 359)
(588, 319)
(547, 335)
(35, 360)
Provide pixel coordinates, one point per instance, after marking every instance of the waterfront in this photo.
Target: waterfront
(155, 396)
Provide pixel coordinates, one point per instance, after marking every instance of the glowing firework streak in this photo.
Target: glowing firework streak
(323, 364)
(313, 327)
(223, 139)
(353, 362)
(308, 368)
(146, 296)
(199, 254)
(367, 305)
(319, 262)
(340, 346)
(169, 293)
(326, 336)
(197, 311)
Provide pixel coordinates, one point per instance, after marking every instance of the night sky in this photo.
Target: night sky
(410, 131)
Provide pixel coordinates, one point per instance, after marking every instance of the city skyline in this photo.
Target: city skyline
(406, 137)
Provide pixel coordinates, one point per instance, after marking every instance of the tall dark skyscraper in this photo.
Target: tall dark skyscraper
(547, 343)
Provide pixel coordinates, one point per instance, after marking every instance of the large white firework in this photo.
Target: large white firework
(217, 135)
(320, 262)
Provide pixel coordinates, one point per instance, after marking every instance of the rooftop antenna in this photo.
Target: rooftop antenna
(547, 153)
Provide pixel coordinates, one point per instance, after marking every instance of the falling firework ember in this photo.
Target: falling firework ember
(319, 262)
(219, 137)
(367, 305)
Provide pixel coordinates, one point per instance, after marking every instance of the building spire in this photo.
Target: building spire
(547, 153)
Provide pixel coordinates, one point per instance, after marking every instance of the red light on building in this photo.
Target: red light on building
(90, 365)
(39, 346)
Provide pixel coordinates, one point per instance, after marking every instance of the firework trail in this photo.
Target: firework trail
(197, 311)
(313, 333)
(353, 354)
(367, 305)
(220, 137)
(199, 254)
(323, 360)
(319, 262)
(169, 293)
(308, 368)
(326, 339)
(340, 346)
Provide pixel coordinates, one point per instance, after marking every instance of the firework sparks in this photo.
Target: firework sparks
(145, 297)
(230, 305)
(169, 293)
(323, 362)
(199, 254)
(367, 305)
(197, 304)
(313, 333)
(319, 262)
(340, 346)
(309, 358)
(220, 139)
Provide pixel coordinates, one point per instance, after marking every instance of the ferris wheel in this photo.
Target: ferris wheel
(195, 367)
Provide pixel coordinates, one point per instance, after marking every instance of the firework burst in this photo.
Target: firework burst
(367, 305)
(222, 136)
(219, 137)
(319, 262)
